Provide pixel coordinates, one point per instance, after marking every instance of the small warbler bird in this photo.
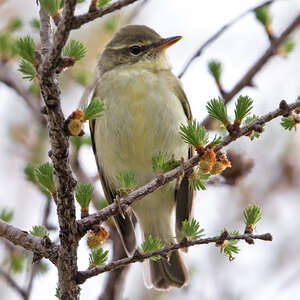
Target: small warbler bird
(144, 107)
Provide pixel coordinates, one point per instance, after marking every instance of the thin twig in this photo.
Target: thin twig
(14, 81)
(217, 34)
(12, 283)
(139, 257)
(162, 179)
(29, 242)
(246, 80)
(80, 20)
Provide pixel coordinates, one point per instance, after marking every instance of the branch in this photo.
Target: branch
(162, 179)
(45, 32)
(246, 80)
(12, 283)
(14, 81)
(82, 276)
(80, 20)
(18, 237)
(116, 279)
(60, 37)
(217, 34)
(64, 181)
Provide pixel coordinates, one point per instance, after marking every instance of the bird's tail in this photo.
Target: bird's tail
(165, 273)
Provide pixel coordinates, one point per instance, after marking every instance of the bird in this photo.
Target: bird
(145, 105)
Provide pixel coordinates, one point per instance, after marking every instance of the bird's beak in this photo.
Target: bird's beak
(167, 42)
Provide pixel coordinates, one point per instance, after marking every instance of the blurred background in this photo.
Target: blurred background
(267, 270)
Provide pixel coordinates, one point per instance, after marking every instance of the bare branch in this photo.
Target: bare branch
(14, 81)
(139, 257)
(246, 80)
(217, 34)
(12, 283)
(162, 179)
(80, 20)
(29, 242)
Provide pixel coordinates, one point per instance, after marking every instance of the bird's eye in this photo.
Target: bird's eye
(135, 50)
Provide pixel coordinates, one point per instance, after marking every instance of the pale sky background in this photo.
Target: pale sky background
(263, 271)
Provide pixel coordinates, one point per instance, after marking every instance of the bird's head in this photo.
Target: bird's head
(134, 44)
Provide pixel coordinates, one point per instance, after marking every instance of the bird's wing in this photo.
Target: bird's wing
(124, 224)
(184, 194)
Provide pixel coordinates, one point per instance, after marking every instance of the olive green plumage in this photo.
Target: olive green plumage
(144, 107)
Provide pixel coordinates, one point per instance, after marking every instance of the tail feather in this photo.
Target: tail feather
(169, 273)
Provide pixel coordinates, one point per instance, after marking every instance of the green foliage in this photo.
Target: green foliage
(30, 176)
(255, 134)
(217, 109)
(102, 3)
(243, 107)
(127, 180)
(252, 214)
(288, 46)
(230, 247)
(25, 48)
(15, 261)
(35, 88)
(51, 6)
(152, 244)
(44, 176)
(39, 230)
(15, 24)
(94, 109)
(162, 162)
(288, 123)
(78, 141)
(27, 69)
(197, 180)
(98, 257)
(102, 203)
(194, 134)
(57, 292)
(43, 267)
(215, 69)
(84, 194)
(29, 172)
(216, 141)
(262, 14)
(35, 23)
(6, 215)
(112, 24)
(84, 77)
(7, 45)
(191, 230)
(75, 49)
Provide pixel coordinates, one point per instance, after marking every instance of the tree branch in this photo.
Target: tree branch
(14, 81)
(82, 276)
(29, 242)
(80, 20)
(64, 181)
(246, 80)
(217, 34)
(162, 179)
(12, 283)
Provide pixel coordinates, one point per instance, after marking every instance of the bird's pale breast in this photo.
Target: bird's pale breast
(142, 117)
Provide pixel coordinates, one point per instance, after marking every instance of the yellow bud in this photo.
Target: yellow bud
(207, 161)
(97, 237)
(221, 164)
(75, 126)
